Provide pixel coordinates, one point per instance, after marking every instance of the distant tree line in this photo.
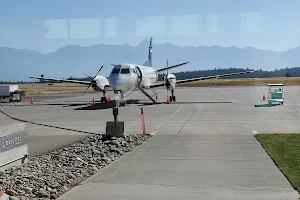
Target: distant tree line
(286, 72)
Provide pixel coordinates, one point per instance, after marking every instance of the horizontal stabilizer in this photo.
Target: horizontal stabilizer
(212, 77)
(171, 67)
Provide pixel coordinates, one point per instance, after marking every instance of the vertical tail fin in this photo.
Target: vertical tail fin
(149, 61)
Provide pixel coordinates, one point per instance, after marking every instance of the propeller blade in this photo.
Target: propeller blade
(98, 71)
(88, 87)
(86, 75)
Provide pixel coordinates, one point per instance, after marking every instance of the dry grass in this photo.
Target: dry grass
(56, 88)
(42, 91)
(47, 85)
(243, 82)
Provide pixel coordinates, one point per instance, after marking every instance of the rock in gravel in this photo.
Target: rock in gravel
(42, 193)
(65, 188)
(11, 192)
(20, 192)
(53, 196)
(2, 173)
(28, 189)
(95, 169)
(79, 159)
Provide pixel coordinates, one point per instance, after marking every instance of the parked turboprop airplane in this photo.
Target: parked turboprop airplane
(128, 77)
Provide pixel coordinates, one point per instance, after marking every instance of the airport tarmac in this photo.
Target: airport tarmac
(203, 145)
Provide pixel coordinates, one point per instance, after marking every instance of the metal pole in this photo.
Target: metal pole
(115, 113)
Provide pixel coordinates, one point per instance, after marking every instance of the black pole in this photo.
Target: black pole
(115, 113)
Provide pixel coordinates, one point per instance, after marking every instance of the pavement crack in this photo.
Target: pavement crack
(195, 186)
(188, 119)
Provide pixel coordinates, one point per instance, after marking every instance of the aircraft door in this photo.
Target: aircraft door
(139, 74)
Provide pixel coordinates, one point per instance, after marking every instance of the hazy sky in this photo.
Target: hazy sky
(48, 25)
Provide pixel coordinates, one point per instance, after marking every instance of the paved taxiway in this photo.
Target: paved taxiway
(203, 147)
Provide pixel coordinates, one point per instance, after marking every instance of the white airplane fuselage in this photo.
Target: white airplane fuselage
(126, 77)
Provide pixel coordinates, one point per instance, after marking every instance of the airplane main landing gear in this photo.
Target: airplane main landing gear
(173, 97)
(103, 99)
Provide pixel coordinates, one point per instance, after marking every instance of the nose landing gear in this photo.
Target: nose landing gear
(120, 99)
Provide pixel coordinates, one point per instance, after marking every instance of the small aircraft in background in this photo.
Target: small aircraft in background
(125, 77)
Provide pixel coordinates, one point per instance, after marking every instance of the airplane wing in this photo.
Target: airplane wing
(171, 67)
(201, 78)
(63, 80)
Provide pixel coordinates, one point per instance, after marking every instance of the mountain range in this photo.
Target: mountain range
(19, 64)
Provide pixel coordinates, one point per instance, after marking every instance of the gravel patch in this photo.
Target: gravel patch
(50, 175)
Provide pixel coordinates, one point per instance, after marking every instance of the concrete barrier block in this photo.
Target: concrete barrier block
(115, 129)
(13, 145)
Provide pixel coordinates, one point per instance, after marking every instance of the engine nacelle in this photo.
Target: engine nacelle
(170, 81)
(100, 83)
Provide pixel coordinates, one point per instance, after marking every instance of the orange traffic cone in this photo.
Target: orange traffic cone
(156, 96)
(264, 97)
(31, 100)
(168, 100)
(108, 99)
(93, 101)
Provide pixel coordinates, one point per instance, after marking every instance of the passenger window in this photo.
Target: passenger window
(125, 71)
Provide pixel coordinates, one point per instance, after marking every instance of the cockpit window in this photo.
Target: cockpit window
(125, 71)
(116, 70)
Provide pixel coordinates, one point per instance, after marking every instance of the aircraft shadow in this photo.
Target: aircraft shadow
(98, 106)
(112, 104)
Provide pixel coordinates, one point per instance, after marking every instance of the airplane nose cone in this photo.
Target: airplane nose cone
(115, 83)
